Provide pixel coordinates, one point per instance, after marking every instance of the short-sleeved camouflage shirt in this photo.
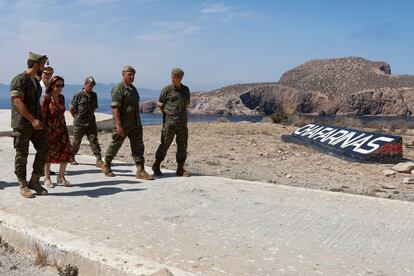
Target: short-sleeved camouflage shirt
(84, 105)
(30, 91)
(175, 101)
(127, 100)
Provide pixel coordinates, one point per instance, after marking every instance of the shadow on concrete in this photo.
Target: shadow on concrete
(167, 175)
(116, 172)
(172, 174)
(73, 172)
(82, 164)
(122, 164)
(105, 183)
(93, 164)
(97, 192)
(4, 184)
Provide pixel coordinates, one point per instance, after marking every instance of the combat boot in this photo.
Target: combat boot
(34, 184)
(142, 174)
(24, 189)
(181, 171)
(106, 168)
(156, 167)
(99, 161)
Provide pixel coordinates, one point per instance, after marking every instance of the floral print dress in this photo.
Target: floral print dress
(60, 149)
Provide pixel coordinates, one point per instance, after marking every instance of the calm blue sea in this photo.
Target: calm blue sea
(155, 119)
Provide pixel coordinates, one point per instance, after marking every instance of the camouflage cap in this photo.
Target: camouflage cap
(37, 58)
(90, 80)
(128, 68)
(48, 70)
(177, 72)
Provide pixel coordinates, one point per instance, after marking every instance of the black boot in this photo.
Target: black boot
(156, 167)
(34, 184)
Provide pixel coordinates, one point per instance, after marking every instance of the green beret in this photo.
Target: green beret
(128, 68)
(177, 72)
(37, 58)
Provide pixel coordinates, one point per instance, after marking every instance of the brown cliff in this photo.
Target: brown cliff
(351, 85)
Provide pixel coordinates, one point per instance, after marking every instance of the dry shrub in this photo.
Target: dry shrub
(41, 257)
(279, 118)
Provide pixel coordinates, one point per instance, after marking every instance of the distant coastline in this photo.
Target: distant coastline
(156, 118)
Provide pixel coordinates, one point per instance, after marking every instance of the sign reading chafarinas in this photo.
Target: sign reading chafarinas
(349, 143)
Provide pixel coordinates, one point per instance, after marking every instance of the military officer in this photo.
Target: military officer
(26, 121)
(173, 102)
(127, 123)
(83, 107)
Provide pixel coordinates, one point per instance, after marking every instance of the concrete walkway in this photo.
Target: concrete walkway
(203, 225)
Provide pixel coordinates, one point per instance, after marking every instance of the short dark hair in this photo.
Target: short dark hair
(31, 63)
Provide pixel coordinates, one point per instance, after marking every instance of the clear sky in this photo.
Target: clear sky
(217, 43)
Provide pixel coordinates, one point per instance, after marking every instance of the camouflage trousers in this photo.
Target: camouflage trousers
(21, 139)
(167, 136)
(91, 133)
(135, 139)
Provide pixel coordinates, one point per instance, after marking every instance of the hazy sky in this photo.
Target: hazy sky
(217, 43)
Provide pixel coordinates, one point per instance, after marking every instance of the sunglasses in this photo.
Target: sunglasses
(59, 85)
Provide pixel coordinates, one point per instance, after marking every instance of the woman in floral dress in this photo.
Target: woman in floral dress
(60, 150)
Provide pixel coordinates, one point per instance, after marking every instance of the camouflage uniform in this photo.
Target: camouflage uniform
(127, 100)
(174, 100)
(84, 106)
(29, 90)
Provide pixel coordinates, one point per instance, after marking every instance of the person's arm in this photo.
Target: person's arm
(162, 99)
(96, 103)
(187, 98)
(72, 111)
(74, 106)
(116, 112)
(117, 116)
(22, 109)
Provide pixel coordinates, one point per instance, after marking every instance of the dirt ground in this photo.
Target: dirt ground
(254, 151)
(15, 263)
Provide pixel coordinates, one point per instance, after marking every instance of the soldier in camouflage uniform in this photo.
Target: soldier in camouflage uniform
(83, 107)
(173, 102)
(127, 123)
(26, 121)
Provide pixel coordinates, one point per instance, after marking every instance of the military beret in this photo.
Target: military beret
(90, 80)
(177, 72)
(128, 68)
(48, 70)
(37, 58)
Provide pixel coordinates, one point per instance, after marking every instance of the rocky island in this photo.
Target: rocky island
(340, 86)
